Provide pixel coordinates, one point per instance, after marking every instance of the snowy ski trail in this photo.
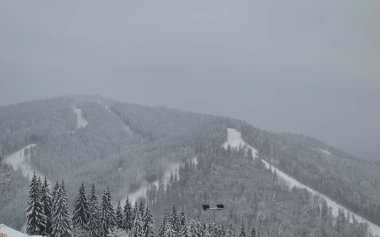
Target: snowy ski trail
(235, 140)
(21, 160)
(172, 168)
(81, 121)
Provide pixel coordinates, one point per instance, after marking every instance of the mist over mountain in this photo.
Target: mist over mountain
(132, 148)
(295, 66)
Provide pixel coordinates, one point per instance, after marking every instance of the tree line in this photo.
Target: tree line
(48, 215)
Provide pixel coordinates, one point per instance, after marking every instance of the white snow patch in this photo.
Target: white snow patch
(21, 160)
(324, 152)
(13, 233)
(173, 168)
(81, 121)
(235, 141)
(141, 192)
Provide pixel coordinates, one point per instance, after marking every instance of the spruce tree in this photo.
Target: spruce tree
(119, 216)
(148, 224)
(81, 210)
(161, 232)
(46, 200)
(183, 227)
(94, 214)
(175, 220)
(137, 230)
(108, 216)
(142, 206)
(169, 230)
(242, 230)
(230, 231)
(128, 215)
(36, 219)
(61, 220)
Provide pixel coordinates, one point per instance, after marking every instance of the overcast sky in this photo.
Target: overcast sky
(310, 67)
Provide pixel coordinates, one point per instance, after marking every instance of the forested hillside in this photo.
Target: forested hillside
(352, 182)
(126, 146)
(253, 194)
(121, 145)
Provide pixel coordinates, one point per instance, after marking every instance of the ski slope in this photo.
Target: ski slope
(21, 160)
(172, 168)
(235, 140)
(81, 121)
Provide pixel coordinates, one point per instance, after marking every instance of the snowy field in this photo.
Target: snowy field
(234, 140)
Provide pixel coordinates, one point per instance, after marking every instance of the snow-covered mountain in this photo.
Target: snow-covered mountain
(128, 147)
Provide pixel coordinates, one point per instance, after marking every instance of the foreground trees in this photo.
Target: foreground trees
(49, 215)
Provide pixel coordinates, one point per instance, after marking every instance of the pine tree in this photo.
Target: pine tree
(108, 216)
(119, 216)
(242, 230)
(169, 229)
(94, 214)
(46, 200)
(81, 210)
(194, 229)
(183, 227)
(137, 230)
(142, 207)
(175, 220)
(128, 215)
(161, 232)
(36, 219)
(148, 224)
(230, 231)
(61, 220)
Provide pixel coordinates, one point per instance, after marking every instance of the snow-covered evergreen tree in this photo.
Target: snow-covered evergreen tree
(242, 230)
(193, 229)
(169, 230)
(36, 219)
(94, 214)
(61, 219)
(108, 216)
(184, 229)
(142, 207)
(148, 224)
(161, 231)
(46, 200)
(230, 231)
(119, 216)
(128, 215)
(81, 210)
(175, 220)
(137, 230)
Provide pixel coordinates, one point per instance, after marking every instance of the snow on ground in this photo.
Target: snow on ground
(235, 141)
(172, 168)
(21, 160)
(81, 121)
(324, 152)
(11, 232)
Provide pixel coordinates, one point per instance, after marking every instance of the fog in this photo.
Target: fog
(310, 67)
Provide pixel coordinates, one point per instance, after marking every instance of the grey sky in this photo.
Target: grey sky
(309, 67)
